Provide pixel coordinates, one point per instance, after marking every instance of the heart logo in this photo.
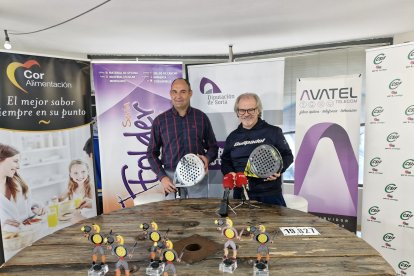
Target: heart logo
(11, 70)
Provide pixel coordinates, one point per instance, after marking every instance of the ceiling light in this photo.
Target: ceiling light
(7, 44)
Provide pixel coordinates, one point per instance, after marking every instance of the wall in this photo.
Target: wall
(403, 37)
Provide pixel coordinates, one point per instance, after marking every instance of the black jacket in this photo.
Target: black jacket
(241, 142)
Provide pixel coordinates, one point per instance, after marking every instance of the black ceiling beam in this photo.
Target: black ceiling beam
(318, 47)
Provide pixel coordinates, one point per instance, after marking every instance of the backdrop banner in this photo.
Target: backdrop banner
(128, 98)
(327, 136)
(46, 178)
(215, 89)
(388, 207)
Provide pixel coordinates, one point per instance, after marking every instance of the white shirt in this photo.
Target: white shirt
(19, 209)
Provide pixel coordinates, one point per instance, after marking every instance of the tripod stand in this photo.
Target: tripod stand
(245, 200)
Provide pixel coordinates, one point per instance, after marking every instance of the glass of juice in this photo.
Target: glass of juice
(77, 201)
(52, 217)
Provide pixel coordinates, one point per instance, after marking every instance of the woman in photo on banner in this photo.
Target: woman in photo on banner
(252, 132)
(17, 207)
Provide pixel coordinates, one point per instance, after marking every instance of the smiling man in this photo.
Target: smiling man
(252, 132)
(177, 132)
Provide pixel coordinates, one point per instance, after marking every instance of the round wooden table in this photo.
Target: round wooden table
(335, 251)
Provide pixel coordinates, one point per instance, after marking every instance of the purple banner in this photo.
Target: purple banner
(344, 151)
(128, 97)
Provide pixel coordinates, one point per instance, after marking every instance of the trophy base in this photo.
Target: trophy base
(228, 266)
(260, 269)
(155, 268)
(98, 270)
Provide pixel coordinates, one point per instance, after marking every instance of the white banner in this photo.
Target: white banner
(215, 89)
(388, 208)
(326, 170)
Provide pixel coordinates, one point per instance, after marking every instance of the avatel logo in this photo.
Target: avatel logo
(328, 94)
(28, 74)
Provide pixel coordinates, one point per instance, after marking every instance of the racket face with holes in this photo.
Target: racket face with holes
(189, 171)
(264, 161)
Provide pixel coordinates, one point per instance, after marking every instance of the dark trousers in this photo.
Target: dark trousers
(276, 199)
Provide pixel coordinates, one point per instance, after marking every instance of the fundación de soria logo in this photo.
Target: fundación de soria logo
(213, 92)
(28, 74)
(208, 86)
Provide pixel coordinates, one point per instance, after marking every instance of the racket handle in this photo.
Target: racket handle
(224, 204)
(246, 195)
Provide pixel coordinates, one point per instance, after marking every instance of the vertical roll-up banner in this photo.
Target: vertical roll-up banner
(327, 139)
(128, 98)
(46, 177)
(215, 89)
(388, 205)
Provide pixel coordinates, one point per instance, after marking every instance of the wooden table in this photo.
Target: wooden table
(335, 252)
